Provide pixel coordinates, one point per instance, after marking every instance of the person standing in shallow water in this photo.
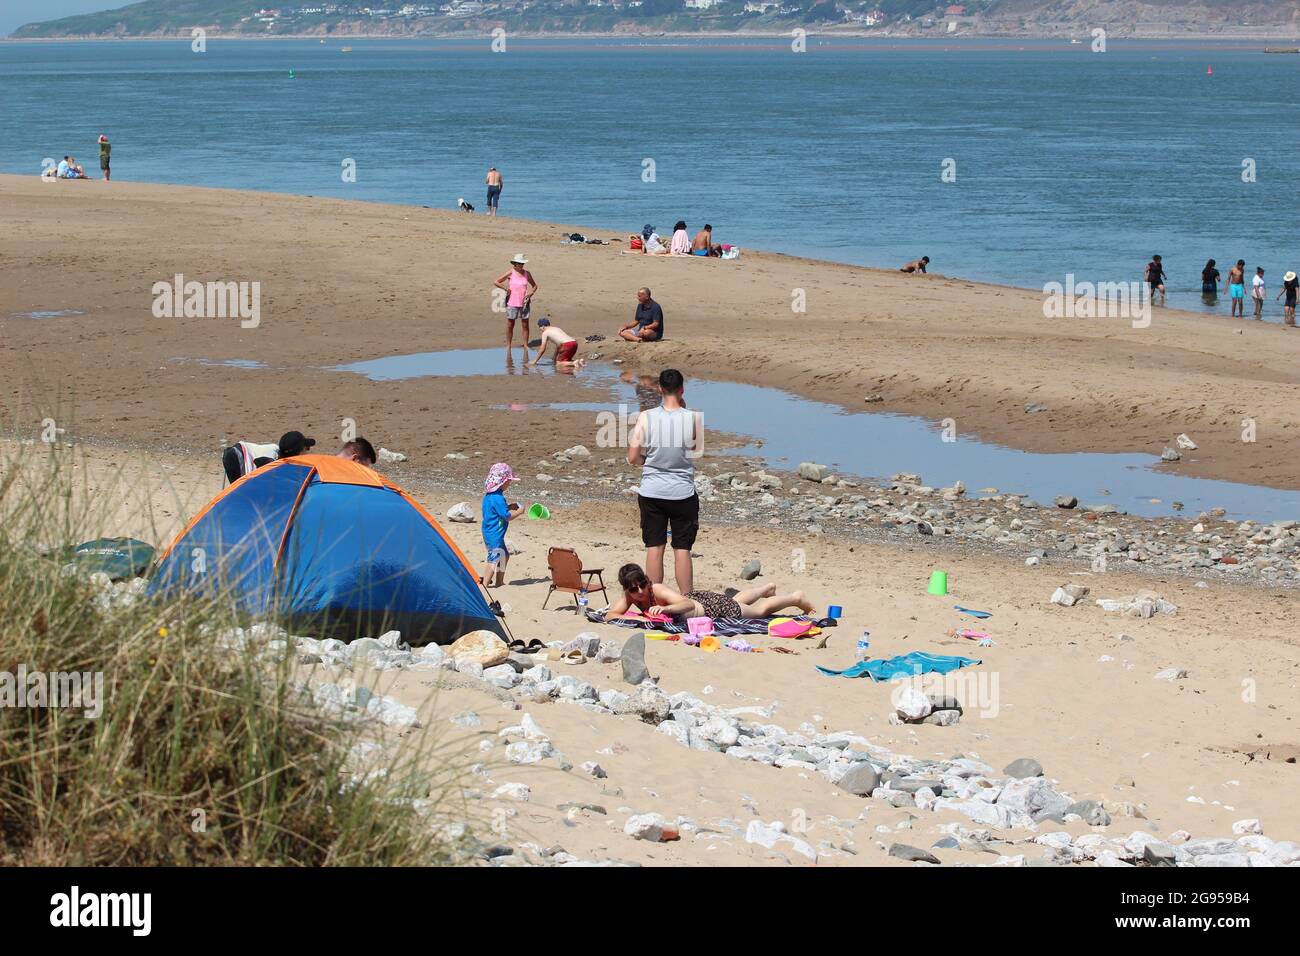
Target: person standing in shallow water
(1237, 288)
(520, 287)
(1290, 287)
(105, 154)
(1210, 284)
(494, 184)
(1156, 278)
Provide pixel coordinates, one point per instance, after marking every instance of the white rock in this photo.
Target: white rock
(1242, 827)
(650, 826)
(515, 791)
(384, 455)
(1172, 673)
(461, 512)
(392, 713)
(912, 704)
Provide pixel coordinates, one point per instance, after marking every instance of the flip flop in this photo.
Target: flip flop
(979, 614)
(827, 622)
(574, 656)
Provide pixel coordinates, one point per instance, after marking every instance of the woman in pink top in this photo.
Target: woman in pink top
(520, 287)
(681, 244)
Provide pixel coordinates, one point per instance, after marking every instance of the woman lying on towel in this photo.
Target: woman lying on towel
(656, 600)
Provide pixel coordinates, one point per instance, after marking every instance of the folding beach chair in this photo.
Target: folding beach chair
(568, 574)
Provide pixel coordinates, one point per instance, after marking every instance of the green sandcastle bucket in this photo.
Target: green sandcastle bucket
(938, 583)
(539, 511)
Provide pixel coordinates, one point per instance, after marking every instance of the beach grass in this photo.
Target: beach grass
(209, 749)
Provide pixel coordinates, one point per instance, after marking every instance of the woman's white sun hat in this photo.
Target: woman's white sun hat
(1289, 277)
(519, 260)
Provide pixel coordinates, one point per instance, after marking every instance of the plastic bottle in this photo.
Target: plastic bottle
(864, 642)
(582, 601)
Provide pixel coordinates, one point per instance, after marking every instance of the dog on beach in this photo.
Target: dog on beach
(464, 206)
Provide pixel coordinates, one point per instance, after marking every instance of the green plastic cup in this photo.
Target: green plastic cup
(539, 510)
(938, 583)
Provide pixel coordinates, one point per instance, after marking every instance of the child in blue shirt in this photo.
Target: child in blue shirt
(496, 517)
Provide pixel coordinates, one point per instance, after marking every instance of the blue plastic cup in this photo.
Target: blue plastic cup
(835, 611)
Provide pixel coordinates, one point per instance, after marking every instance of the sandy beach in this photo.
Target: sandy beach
(1058, 685)
(344, 282)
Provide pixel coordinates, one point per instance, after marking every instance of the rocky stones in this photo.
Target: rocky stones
(651, 827)
(461, 512)
(1244, 827)
(811, 471)
(912, 854)
(586, 644)
(752, 569)
(1023, 768)
(1170, 454)
(502, 675)
(1091, 812)
(1031, 796)
(1159, 854)
(647, 702)
(478, 647)
(515, 791)
(1067, 501)
(608, 652)
(1144, 604)
(1172, 674)
(593, 769)
(768, 835)
(633, 658)
(861, 779)
(1068, 595)
(1185, 443)
(392, 713)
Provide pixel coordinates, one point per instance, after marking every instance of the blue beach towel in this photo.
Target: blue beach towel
(908, 665)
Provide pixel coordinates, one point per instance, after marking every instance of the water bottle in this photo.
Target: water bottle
(864, 642)
(582, 602)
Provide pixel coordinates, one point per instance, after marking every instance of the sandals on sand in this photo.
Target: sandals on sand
(532, 647)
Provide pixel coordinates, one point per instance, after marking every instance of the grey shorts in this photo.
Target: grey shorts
(517, 311)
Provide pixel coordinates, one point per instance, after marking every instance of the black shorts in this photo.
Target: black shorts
(103, 163)
(658, 514)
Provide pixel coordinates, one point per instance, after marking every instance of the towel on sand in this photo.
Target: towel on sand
(722, 626)
(908, 665)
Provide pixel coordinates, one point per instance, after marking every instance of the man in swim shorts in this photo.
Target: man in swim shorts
(1237, 288)
(702, 244)
(916, 266)
(566, 346)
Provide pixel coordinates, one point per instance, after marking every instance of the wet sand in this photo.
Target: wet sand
(343, 281)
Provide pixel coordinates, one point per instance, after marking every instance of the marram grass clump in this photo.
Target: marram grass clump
(205, 749)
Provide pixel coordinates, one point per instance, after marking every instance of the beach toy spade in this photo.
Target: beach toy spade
(539, 511)
(938, 583)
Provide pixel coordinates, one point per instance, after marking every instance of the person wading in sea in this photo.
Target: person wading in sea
(1237, 288)
(494, 185)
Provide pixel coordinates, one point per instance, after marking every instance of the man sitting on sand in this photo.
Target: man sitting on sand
(916, 266)
(566, 346)
(656, 599)
(647, 323)
(702, 244)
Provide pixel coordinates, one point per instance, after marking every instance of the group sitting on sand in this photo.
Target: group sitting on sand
(648, 242)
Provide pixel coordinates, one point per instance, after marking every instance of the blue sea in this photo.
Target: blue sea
(1065, 160)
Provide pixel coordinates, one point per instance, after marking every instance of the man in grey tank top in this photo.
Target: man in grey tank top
(665, 443)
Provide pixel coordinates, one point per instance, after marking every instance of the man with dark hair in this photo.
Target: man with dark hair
(647, 323)
(244, 457)
(360, 451)
(665, 443)
(1156, 279)
(916, 266)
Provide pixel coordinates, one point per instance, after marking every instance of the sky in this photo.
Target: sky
(14, 13)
